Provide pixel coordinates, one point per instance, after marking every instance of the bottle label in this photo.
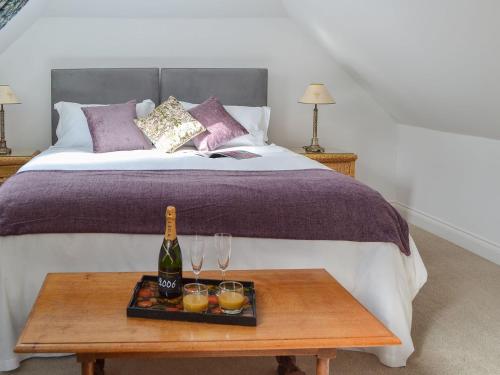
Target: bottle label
(169, 284)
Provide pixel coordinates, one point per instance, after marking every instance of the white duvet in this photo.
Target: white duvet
(273, 158)
(377, 274)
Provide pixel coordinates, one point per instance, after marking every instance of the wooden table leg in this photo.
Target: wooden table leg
(322, 366)
(88, 368)
(287, 366)
(99, 366)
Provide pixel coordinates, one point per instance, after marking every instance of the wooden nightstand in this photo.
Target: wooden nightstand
(9, 164)
(343, 162)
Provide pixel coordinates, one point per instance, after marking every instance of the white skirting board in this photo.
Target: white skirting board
(469, 241)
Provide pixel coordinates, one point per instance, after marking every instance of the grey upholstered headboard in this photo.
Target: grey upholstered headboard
(233, 86)
(102, 86)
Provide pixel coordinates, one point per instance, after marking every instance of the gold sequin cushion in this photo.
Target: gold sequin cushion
(170, 126)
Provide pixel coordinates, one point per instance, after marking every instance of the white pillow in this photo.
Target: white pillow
(144, 108)
(72, 129)
(254, 119)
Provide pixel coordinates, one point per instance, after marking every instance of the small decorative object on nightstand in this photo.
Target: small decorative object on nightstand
(316, 93)
(343, 162)
(10, 164)
(7, 96)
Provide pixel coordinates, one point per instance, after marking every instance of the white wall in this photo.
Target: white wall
(356, 123)
(449, 184)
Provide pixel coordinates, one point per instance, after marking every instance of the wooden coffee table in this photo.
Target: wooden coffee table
(299, 312)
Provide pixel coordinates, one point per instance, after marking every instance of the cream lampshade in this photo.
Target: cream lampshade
(7, 96)
(316, 93)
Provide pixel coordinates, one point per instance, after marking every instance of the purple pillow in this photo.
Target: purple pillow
(112, 128)
(221, 126)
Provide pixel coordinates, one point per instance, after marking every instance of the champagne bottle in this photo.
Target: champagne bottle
(170, 260)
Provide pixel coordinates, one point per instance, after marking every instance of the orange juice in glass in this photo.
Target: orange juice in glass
(195, 298)
(231, 297)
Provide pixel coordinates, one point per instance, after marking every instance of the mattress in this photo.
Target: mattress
(378, 274)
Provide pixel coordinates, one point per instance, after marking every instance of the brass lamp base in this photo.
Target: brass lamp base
(314, 148)
(4, 150)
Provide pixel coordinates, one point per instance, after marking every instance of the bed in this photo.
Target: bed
(367, 248)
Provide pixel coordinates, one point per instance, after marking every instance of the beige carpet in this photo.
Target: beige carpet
(456, 329)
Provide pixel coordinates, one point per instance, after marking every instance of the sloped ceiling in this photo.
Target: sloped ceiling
(21, 22)
(433, 64)
(165, 8)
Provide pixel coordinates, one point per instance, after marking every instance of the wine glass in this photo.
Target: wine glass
(223, 249)
(197, 255)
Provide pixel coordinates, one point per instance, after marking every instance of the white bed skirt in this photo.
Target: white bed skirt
(377, 274)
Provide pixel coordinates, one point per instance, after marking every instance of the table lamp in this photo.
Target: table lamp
(7, 96)
(316, 93)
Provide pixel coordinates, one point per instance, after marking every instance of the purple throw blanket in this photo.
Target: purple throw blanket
(308, 204)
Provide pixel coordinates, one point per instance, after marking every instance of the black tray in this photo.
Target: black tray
(172, 309)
